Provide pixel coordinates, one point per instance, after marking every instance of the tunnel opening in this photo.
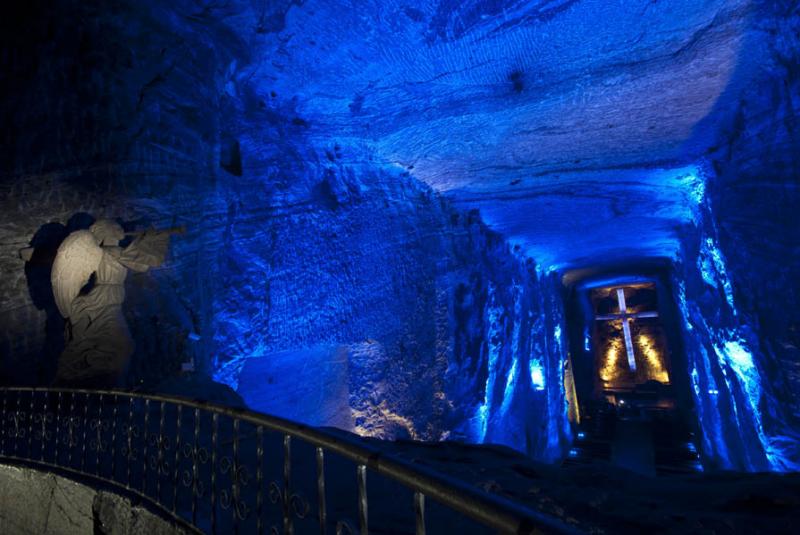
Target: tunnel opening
(631, 385)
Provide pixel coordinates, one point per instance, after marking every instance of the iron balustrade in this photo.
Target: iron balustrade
(217, 469)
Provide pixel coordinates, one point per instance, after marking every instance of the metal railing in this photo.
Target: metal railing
(216, 469)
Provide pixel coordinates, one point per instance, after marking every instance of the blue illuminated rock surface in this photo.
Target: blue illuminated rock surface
(549, 116)
(422, 316)
(325, 159)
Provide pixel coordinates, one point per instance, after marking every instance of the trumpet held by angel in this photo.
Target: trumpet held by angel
(88, 279)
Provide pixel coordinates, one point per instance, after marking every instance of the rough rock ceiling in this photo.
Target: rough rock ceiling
(549, 116)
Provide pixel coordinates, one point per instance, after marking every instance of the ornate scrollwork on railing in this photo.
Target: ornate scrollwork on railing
(17, 418)
(98, 426)
(238, 472)
(71, 423)
(296, 503)
(239, 478)
(229, 498)
(274, 492)
(42, 420)
(129, 451)
(158, 460)
(193, 472)
(190, 477)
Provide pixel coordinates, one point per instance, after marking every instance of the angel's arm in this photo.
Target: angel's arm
(147, 250)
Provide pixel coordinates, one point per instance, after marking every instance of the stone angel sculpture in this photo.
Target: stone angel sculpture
(88, 278)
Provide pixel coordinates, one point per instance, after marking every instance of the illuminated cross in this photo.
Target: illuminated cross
(626, 318)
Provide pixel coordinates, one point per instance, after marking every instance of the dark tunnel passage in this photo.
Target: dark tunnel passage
(633, 402)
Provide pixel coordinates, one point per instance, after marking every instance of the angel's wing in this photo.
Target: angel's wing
(77, 258)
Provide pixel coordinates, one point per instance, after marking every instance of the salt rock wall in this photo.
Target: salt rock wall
(740, 267)
(756, 199)
(299, 251)
(347, 275)
(743, 400)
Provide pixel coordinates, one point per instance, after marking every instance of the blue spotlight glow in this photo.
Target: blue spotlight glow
(510, 381)
(493, 313)
(710, 255)
(697, 186)
(537, 374)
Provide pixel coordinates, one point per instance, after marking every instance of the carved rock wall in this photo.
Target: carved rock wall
(151, 113)
(755, 198)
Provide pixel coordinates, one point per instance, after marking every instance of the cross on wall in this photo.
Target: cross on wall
(626, 318)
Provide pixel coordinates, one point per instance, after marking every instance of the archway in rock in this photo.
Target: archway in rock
(629, 373)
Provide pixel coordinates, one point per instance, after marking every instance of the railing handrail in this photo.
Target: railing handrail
(491, 510)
